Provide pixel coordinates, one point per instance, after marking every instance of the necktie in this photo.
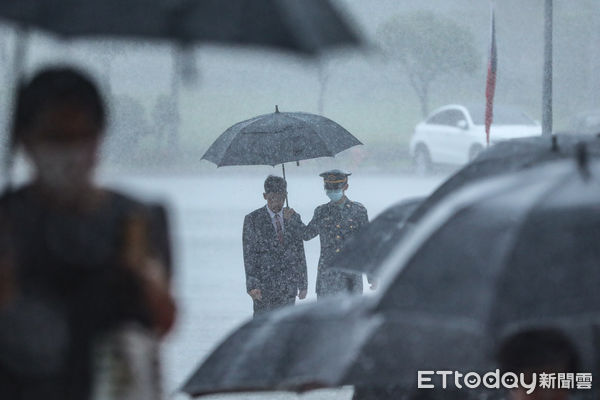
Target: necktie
(278, 229)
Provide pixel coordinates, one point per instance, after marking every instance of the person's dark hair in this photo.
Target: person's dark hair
(51, 86)
(275, 184)
(535, 349)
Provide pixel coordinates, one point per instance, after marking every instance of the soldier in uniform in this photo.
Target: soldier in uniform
(335, 222)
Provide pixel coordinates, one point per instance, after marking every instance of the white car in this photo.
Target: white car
(455, 134)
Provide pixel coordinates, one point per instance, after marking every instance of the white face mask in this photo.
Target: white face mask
(335, 194)
(63, 168)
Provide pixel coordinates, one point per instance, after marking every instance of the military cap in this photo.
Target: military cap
(335, 179)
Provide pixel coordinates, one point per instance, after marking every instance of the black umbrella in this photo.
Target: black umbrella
(296, 348)
(278, 138)
(513, 252)
(321, 345)
(503, 255)
(505, 157)
(366, 250)
(307, 26)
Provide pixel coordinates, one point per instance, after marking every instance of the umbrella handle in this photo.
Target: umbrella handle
(287, 204)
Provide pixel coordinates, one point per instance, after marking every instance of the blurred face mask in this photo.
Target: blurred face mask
(64, 167)
(62, 143)
(334, 194)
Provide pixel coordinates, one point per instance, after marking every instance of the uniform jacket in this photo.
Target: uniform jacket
(335, 224)
(273, 268)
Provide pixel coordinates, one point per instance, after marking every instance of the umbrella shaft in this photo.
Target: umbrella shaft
(287, 204)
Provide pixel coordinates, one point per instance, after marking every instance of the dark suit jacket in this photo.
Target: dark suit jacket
(275, 269)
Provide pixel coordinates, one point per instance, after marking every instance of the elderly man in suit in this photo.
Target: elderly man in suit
(274, 257)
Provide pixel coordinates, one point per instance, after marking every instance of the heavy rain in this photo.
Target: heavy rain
(444, 153)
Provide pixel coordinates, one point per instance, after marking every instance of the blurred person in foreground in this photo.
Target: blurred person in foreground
(274, 259)
(537, 351)
(77, 261)
(335, 222)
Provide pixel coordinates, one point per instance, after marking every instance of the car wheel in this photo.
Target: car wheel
(421, 161)
(474, 151)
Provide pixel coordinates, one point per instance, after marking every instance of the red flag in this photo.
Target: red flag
(490, 86)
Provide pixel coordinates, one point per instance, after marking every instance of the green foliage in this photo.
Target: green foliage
(428, 46)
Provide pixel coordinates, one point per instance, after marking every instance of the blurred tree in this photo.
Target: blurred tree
(324, 74)
(165, 115)
(3, 50)
(106, 51)
(427, 46)
(128, 126)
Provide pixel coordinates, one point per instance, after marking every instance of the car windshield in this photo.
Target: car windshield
(503, 115)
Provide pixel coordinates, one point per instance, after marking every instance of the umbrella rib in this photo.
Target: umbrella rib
(227, 149)
(544, 194)
(331, 153)
(219, 164)
(246, 123)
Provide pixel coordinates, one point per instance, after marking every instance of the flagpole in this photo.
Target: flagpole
(547, 85)
(490, 86)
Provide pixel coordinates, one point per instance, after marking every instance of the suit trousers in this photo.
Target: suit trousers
(272, 302)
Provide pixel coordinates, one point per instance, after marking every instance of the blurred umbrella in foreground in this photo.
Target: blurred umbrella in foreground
(321, 345)
(295, 348)
(510, 253)
(508, 157)
(307, 26)
(505, 254)
(278, 138)
(366, 252)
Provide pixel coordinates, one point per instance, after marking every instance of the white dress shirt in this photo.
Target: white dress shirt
(272, 215)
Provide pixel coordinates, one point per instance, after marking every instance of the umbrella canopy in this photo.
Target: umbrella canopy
(513, 252)
(278, 138)
(504, 157)
(500, 256)
(325, 345)
(368, 249)
(287, 345)
(524, 248)
(308, 27)
(510, 156)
